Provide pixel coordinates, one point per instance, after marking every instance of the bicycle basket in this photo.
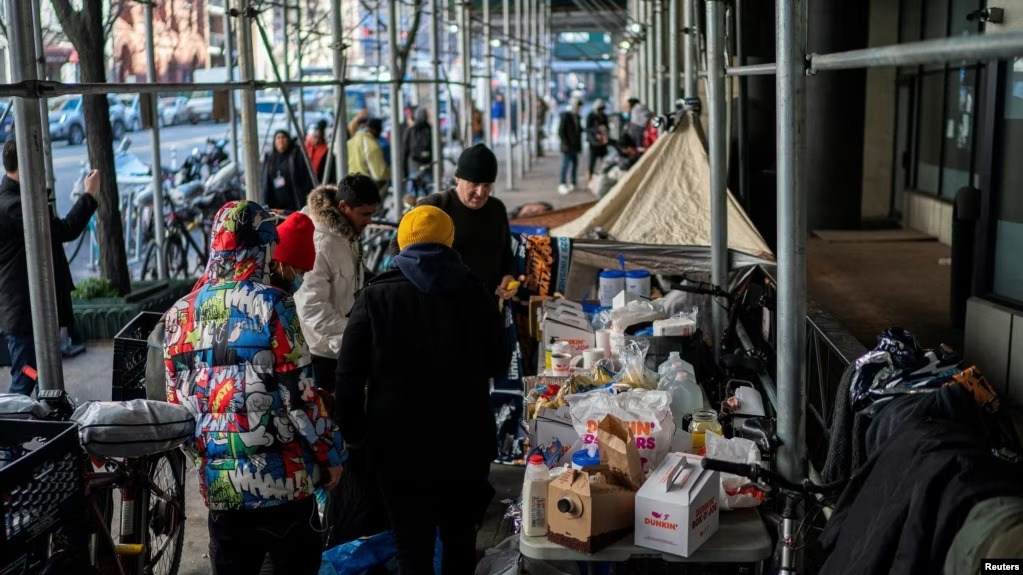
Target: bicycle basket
(131, 348)
(42, 487)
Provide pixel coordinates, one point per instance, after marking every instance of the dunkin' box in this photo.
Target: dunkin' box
(677, 507)
(591, 509)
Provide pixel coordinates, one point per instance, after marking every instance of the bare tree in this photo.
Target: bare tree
(406, 49)
(86, 30)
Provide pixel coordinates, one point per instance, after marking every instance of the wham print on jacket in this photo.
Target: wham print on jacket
(236, 358)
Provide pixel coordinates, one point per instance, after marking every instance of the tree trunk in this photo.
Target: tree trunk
(85, 31)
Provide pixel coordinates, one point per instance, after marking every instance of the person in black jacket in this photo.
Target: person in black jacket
(597, 135)
(421, 345)
(15, 310)
(571, 134)
(286, 177)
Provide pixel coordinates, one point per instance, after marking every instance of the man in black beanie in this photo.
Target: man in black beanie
(482, 235)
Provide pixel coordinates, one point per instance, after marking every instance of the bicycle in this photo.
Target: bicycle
(79, 485)
(376, 246)
(790, 535)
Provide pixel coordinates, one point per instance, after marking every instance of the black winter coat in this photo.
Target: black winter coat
(571, 133)
(297, 180)
(15, 309)
(417, 355)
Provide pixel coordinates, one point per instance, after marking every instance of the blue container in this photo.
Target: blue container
(612, 282)
(638, 282)
(581, 459)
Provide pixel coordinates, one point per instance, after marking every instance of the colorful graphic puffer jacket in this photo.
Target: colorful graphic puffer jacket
(236, 358)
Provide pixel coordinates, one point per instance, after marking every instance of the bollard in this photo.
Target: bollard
(965, 215)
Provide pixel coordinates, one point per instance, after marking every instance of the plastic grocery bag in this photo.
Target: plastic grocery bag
(736, 492)
(647, 413)
(359, 556)
(504, 559)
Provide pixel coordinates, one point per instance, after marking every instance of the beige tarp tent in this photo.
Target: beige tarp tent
(665, 200)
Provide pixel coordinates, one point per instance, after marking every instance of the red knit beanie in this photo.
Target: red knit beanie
(296, 242)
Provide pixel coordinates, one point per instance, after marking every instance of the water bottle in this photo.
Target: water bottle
(534, 498)
(686, 396)
(671, 366)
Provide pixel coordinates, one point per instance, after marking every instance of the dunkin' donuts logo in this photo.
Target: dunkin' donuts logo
(658, 520)
(704, 512)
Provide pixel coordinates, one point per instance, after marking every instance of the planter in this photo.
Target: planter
(102, 318)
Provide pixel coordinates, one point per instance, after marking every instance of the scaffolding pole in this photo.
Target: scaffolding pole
(527, 55)
(520, 116)
(44, 110)
(397, 169)
(298, 58)
(488, 75)
(299, 128)
(659, 71)
(791, 359)
(250, 130)
(509, 153)
(340, 137)
(752, 70)
(689, 48)
(673, 72)
(718, 160)
(466, 49)
(157, 166)
(436, 138)
(34, 205)
(232, 112)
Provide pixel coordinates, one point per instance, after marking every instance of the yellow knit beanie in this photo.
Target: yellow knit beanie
(426, 225)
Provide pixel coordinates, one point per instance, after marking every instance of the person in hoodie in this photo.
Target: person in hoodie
(423, 337)
(327, 293)
(236, 359)
(418, 145)
(286, 178)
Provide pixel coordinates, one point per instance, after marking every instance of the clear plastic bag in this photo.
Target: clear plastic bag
(634, 372)
(736, 492)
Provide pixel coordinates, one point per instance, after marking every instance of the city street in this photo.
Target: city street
(177, 142)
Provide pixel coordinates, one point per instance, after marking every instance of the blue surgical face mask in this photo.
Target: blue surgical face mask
(296, 284)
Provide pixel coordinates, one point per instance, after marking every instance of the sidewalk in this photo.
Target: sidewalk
(540, 183)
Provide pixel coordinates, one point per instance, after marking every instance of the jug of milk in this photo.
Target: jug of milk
(534, 498)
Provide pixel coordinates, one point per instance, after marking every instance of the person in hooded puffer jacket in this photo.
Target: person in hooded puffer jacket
(327, 292)
(425, 330)
(236, 359)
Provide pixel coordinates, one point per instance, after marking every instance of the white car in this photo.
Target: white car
(272, 115)
(200, 106)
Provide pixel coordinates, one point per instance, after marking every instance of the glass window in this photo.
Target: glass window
(931, 132)
(1008, 276)
(958, 24)
(935, 19)
(909, 20)
(960, 103)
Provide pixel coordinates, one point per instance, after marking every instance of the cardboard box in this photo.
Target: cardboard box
(677, 508)
(674, 327)
(568, 327)
(589, 510)
(555, 424)
(536, 314)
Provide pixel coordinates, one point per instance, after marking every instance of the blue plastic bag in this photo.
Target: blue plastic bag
(356, 557)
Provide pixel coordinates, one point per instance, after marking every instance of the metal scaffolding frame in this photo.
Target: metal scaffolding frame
(792, 69)
(30, 91)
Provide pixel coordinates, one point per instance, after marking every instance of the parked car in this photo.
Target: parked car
(200, 107)
(174, 110)
(132, 111)
(67, 122)
(272, 115)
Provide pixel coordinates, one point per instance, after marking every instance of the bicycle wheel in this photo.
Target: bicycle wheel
(177, 257)
(164, 536)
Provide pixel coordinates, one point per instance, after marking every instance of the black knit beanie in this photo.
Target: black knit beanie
(478, 165)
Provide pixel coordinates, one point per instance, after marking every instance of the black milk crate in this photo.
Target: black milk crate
(41, 487)
(131, 348)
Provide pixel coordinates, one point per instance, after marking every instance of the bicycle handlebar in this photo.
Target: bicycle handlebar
(702, 288)
(758, 473)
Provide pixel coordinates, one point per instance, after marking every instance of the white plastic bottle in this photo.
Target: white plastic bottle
(686, 396)
(534, 498)
(671, 365)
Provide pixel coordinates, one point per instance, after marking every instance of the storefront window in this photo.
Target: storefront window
(961, 100)
(1008, 275)
(931, 132)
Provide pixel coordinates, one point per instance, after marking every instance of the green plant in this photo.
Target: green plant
(93, 288)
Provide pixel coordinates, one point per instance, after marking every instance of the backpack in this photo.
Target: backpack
(420, 146)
